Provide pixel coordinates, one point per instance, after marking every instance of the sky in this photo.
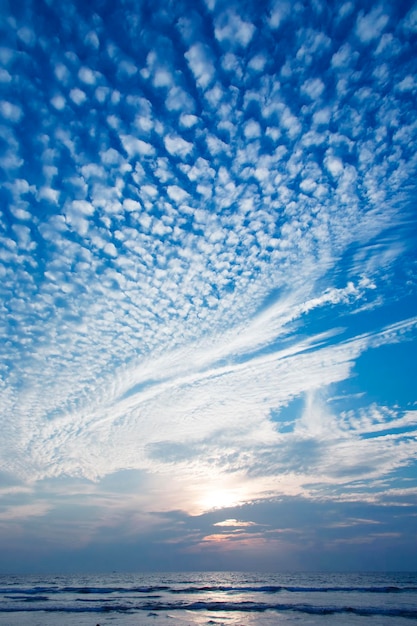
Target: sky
(208, 285)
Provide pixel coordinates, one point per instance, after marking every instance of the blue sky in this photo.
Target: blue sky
(208, 285)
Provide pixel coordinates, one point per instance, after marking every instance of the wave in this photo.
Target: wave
(245, 607)
(271, 589)
(281, 588)
(383, 597)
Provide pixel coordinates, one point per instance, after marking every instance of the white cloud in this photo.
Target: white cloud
(290, 123)
(334, 165)
(201, 64)
(5, 77)
(93, 39)
(179, 100)
(77, 96)
(258, 62)
(111, 157)
(162, 78)
(131, 205)
(233, 64)
(136, 147)
(126, 67)
(76, 214)
(110, 249)
(232, 29)
(252, 129)
(62, 73)
(47, 193)
(410, 21)
(344, 57)
(27, 35)
(188, 120)
(20, 512)
(234, 523)
(177, 194)
(177, 146)
(216, 146)
(371, 25)
(322, 116)
(87, 75)
(59, 102)
(23, 236)
(10, 111)
(278, 13)
(408, 83)
(313, 87)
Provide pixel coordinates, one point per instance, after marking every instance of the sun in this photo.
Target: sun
(220, 499)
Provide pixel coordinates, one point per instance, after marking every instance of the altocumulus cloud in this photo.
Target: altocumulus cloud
(207, 268)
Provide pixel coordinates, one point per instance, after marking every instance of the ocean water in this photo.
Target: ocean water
(210, 599)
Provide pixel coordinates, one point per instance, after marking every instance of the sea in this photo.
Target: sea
(210, 599)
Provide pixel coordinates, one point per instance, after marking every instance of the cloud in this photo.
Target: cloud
(78, 96)
(279, 11)
(371, 25)
(177, 146)
(199, 247)
(231, 29)
(234, 523)
(201, 64)
(10, 111)
(136, 147)
(24, 511)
